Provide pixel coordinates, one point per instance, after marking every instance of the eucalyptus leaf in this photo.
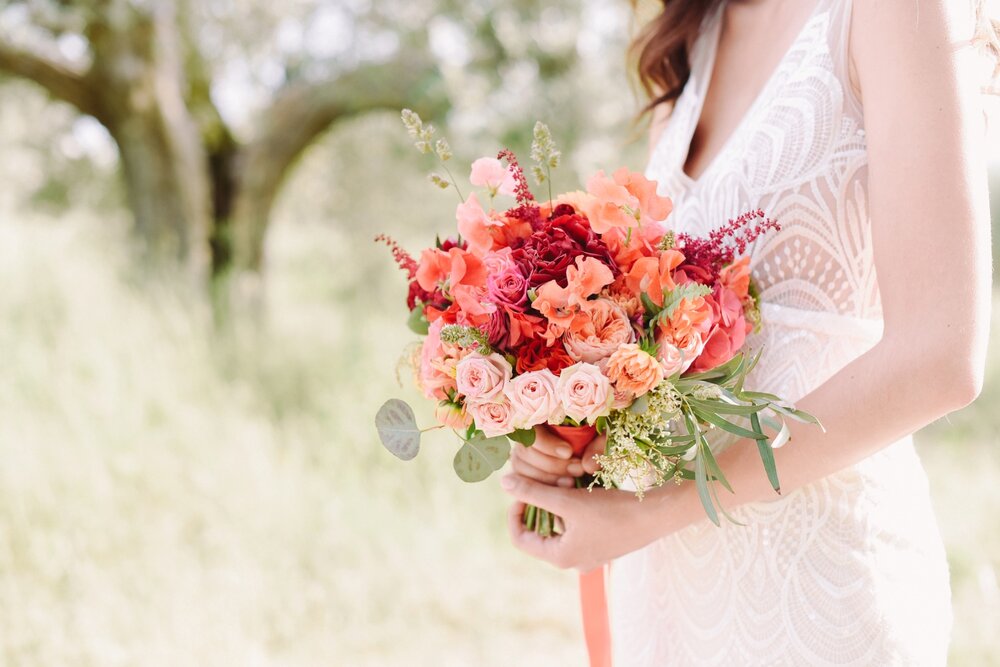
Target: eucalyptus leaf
(418, 322)
(480, 457)
(397, 429)
(525, 436)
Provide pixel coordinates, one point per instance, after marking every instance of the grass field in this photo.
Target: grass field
(170, 496)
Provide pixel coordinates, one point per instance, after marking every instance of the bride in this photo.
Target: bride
(859, 129)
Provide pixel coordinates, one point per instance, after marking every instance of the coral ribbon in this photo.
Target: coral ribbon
(596, 628)
(593, 597)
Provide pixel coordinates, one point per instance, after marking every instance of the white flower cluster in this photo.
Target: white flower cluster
(632, 454)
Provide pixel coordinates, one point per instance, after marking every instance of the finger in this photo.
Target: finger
(525, 469)
(549, 443)
(596, 446)
(544, 462)
(528, 491)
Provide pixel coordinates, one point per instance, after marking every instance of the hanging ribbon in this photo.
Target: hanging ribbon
(593, 584)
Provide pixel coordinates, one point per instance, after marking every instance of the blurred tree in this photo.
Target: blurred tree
(198, 192)
(211, 102)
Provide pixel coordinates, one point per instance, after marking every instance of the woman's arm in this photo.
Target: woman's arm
(930, 231)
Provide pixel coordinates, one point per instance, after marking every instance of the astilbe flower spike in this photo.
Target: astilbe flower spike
(402, 258)
(724, 243)
(526, 208)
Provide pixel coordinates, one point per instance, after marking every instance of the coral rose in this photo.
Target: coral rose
(605, 328)
(633, 370)
(585, 392)
(482, 378)
(533, 399)
(492, 418)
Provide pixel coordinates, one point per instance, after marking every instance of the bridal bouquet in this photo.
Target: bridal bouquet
(582, 312)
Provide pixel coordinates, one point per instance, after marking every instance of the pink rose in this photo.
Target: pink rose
(481, 379)
(584, 392)
(671, 358)
(605, 329)
(508, 287)
(493, 418)
(490, 173)
(533, 398)
(498, 261)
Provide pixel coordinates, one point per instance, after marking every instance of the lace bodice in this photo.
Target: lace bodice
(826, 574)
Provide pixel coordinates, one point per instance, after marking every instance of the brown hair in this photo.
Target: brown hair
(660, 50)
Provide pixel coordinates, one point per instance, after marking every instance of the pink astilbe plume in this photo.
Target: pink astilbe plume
(526, 209)
(725, 243)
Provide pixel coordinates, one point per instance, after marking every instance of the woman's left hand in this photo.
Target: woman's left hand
(599, 525)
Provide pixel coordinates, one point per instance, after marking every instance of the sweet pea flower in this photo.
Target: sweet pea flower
(439, 268)
(626, 199)
(652, 275)
(490, 173)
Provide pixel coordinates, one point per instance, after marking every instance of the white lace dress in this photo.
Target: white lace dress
(849, 570)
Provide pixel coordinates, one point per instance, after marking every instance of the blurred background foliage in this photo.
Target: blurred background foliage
(173, 491)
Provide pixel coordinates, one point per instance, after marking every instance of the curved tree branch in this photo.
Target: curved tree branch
(62, 80)
(301, 112)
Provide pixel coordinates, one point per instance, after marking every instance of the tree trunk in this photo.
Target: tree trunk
(164, 164)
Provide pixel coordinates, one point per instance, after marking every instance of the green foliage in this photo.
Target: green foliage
(417, 321)
(479, 457)
(397, 429)
(525, 436)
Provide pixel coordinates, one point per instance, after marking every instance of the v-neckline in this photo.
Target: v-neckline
(706, 76)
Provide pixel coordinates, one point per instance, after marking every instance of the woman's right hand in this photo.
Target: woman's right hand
(550, 459)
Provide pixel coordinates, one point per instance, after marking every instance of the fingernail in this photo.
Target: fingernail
(565, 482)
(574, 469)
(564, 452)
(507, 482)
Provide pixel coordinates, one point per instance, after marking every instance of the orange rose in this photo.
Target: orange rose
(633, 370)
